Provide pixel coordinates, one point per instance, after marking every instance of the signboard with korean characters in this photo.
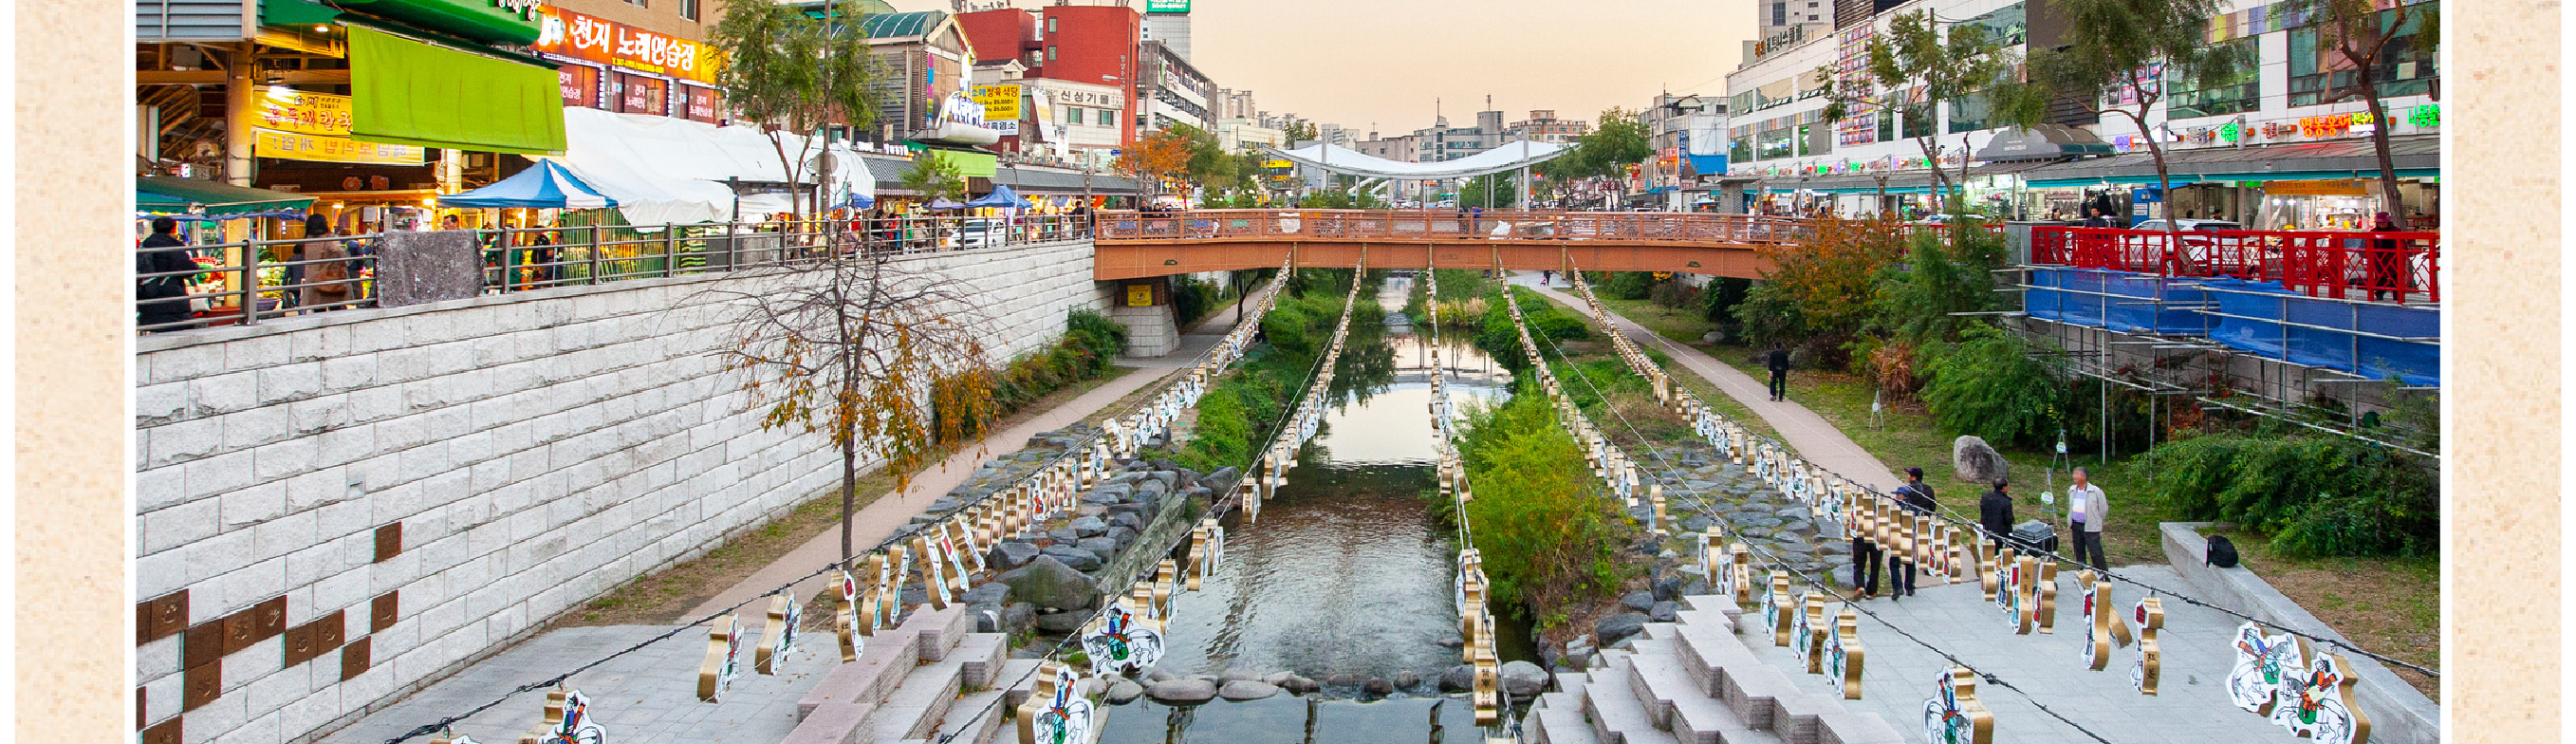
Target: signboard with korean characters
(1001, 102)
(293, 146)
(570, 34)
(289, 110)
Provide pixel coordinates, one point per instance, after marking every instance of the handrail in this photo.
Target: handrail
(1441, 224)
(2373, 266)
(248, 281)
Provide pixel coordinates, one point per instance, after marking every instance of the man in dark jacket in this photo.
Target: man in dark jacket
(159, 294)
(1915, 498)
(1995, 513)
(1778, 362)
(2099, 218)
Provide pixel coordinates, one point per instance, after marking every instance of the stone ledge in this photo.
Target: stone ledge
(2399, 714)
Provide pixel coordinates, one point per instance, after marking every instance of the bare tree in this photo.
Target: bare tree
(867, 351)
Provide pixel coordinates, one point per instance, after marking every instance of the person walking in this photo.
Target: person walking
(1917, 499)
(159, 297)
(1995, 513)
(1778, 362)
(1866, 556)
(2388, 273)
(2086, 511)
(327, 279)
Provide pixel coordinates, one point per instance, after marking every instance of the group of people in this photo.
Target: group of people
(319, 272)
(2087, 511)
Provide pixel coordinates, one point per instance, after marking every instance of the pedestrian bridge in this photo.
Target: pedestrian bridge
(1133, 245)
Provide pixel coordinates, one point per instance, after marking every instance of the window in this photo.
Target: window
(1050, 52)
(2008, 25)
(637, 3)
(1050, 25)
(689, 9)
(1780, 14)
(2406, 67)
(1918, 120)
(1969, 113)
(1108, 118)
(2238, 94)
(1776, 143)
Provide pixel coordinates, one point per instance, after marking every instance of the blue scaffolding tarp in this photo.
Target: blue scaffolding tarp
(2266, 320)
(2118, 300)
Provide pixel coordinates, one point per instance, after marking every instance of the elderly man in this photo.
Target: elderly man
(2086, 511)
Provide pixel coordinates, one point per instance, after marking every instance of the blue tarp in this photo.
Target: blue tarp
(2128, 309)
(1001, 197)
(2415, 362)
(546, 185)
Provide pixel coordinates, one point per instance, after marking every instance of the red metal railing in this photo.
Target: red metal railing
(2375, 266)
(1515, 225)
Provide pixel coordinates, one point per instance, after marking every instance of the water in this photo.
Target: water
(1346, 577)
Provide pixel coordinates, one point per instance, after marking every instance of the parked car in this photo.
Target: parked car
(2204, 254)
(2191, 225)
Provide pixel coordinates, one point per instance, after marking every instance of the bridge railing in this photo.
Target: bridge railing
(2377, 266)
(216, 284)
(1354, 224)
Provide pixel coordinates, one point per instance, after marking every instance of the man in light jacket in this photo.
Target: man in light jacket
(2086, 511)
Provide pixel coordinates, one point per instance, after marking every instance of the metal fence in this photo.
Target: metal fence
(245, 282)
(1407, 224)
(2374, 266)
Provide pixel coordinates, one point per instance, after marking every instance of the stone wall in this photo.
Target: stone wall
(334, 509)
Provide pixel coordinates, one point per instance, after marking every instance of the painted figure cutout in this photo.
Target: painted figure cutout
(2318, 705)
(2097, 621)
(845, 618)
(2144, 673)
(1119, 644)
(724, 659)
(779, 638)
(1056, 712)
(2263, 660)
(567, 721)
(1953, 715)
(1844, 654)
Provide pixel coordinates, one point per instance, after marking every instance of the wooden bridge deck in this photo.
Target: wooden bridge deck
(1145, 244)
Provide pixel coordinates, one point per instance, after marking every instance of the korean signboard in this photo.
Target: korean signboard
(1001, 102)
(701, 104)
(1089, 98)
(296, 146)
(637, 94)
(580, 85)
(569, 34)
(288, 110)
(1167, 6)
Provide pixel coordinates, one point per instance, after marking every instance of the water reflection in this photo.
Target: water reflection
(1348, 574)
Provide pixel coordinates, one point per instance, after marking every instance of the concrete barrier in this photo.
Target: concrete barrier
(2399, 714)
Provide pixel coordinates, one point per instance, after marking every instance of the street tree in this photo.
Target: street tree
(2363, 41)
(1179, 153)
(1498, 186)
(1917, 66)
(1301, 132)
(791, 73)
(2121, 57)
(935, 177)
(865, 351)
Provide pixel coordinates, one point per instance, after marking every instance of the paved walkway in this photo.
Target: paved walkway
(895, 509)
(1807, 433)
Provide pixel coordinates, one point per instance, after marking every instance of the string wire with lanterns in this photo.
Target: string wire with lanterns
(1476, 620)
(1137, 423)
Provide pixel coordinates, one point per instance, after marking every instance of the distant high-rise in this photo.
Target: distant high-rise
(1168, 21)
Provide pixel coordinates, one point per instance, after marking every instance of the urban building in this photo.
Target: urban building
(2266, 149)
(1175, 92)
(1543, 126)
(1240, 134)
(1093, 46)
(1237, 104)
(1168, 22)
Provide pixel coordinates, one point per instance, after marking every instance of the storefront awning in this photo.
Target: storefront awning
(171, 196)
(483, 21)
(406, 92)
(663, 170)
(2416, 155)
(296, 13)
(2042, 142)
(1509, 156)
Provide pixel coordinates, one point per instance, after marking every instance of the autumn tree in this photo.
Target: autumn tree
(1916, 62)
(794, 75)
(2121, 57)
(866, 352)
(1818, 292)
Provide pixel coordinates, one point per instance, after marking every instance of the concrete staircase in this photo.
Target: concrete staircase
(925, 678)
(1695, 682)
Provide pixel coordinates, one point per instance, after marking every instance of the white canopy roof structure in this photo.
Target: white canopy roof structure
(1509, 156)
(665, 170)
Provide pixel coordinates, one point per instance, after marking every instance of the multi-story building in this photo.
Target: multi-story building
(1543, 126)
(1092, 45)
(1237, 104)
(1168, 22)
(2267, 148)
(1175, 92)
(1240, 134)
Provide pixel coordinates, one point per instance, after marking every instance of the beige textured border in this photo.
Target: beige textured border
(2503, 479)
(73, 186)
(2502, 183)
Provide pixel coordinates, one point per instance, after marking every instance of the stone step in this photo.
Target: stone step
(1560, 723)
(930, 689)
(1657, 679)
(833, 724)
(882, 663)
(1016, 678)
(940, 630)
(982, 655)
(1712, 603)
(974, 719)
(1617, 717)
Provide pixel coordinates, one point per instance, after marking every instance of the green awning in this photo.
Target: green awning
(160, 196)
(969, 163)
(296, 13)
(478, 20)
(406, 92)
(2184, 179)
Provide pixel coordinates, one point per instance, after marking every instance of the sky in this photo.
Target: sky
(1354, 62)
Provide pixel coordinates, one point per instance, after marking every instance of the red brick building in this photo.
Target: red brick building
(1093, 44)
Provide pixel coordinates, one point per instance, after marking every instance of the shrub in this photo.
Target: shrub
(1547, 532)
(2313, 495)
(1989, 385)
(1625, 285)
(1192, 299)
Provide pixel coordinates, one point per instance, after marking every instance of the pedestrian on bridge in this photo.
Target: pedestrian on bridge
(2086, 511)
(1778, 362)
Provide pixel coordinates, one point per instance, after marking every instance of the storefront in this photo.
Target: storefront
(2315, 185)
(617, 67)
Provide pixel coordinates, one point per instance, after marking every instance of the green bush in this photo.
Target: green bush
(1990, 386)
(1192, 299)
(1625, 285)
(2314, 496)
(1547, 532)
(1723, 294)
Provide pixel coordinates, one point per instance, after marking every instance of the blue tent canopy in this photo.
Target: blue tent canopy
(546, 185)
(1001, 197)
(856, 201)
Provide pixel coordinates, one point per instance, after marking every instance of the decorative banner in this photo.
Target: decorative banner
(779, 638)
(2318, 705)
(314, 147)
(724, 659)
(1118, 644)
(2150, 614)
(1056, 711)
(846, 619)
(288, 110)
(1953, 715)
(1844, 654)
(567, 721)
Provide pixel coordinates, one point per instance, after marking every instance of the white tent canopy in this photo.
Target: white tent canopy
(664, 170)
(1509, 156)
